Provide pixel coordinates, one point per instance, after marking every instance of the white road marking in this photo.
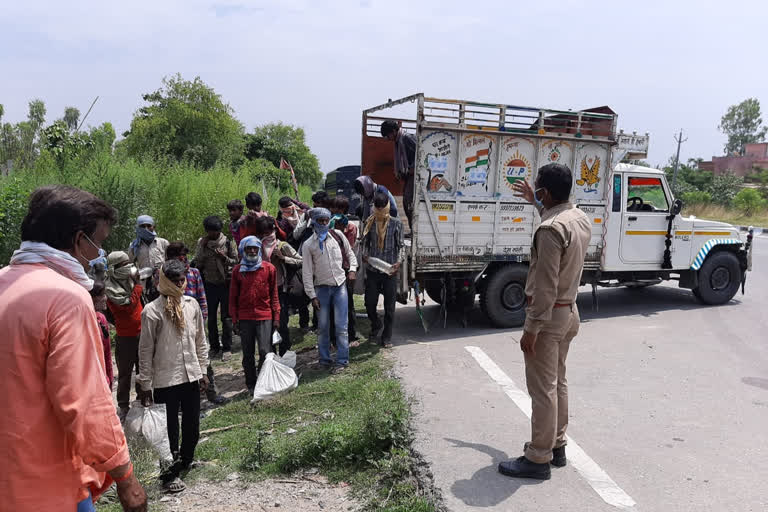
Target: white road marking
(603, 485)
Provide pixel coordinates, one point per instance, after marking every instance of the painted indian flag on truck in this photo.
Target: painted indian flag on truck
(476, 157)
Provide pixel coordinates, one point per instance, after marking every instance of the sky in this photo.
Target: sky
(662, 66)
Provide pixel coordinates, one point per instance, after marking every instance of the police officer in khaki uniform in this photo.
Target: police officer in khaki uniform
(552, 319)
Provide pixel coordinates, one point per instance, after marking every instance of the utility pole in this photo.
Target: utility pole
(679, 139)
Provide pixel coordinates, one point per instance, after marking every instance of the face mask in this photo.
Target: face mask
(102, 259)
(252, 258)
(145, 235)
(536, 199)
(321, 229)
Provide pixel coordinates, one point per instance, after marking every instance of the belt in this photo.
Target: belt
(557, 304)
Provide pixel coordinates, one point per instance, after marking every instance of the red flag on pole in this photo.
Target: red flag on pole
(285, 165)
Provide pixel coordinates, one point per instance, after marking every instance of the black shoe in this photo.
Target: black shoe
(218, 400)
(558, 456)
(523, 468)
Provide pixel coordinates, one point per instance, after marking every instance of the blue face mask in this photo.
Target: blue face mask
(536, 199)
(102, 259)
(145, 235)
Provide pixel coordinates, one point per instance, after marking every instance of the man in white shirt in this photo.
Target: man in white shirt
(173, 358)
(327, 262)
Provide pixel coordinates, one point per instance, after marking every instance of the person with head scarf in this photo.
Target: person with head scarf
(327, 263)
(124, 302)
(382, 239)
(254, 306)
(147, 249)
(367, 188)
(405, 161)
(61, 440)
(173, 361)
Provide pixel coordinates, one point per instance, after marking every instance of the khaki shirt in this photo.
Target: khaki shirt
(168, 357)
(152, 255)
(557, 259)
(325, 268)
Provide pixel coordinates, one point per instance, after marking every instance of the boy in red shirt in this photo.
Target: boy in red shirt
(124, 302)
(254, 306)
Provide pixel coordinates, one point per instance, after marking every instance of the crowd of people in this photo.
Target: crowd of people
(61, 291)
(159, 296)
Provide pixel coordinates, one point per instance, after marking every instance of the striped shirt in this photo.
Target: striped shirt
(196, 289)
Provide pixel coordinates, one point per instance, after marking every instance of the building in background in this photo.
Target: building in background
(755, 158)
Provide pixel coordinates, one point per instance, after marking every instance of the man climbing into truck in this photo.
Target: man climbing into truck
(405, 159)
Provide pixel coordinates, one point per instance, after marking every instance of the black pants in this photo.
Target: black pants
(187, 398)
(127, 357)
(285, 344)
(408, 199)
(378, 283)
(351, 330)
(211, 393)
(218, 296)
(254, 335)
(304, 315)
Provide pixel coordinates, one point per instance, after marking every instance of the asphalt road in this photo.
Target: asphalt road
(667, 397)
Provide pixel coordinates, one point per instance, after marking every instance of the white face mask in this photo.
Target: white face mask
(536, 198)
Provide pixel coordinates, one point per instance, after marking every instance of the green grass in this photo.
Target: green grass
(729, 215)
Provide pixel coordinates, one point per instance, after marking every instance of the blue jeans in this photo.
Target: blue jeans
(86, 505)
(336, 296)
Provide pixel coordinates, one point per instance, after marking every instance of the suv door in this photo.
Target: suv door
(644, 219)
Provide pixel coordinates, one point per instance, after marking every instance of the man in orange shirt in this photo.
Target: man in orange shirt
(60, 440)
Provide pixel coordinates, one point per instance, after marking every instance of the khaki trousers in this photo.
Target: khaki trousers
(547, 385)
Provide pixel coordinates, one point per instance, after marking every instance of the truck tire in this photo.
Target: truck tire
(719, 278)
(503, 298)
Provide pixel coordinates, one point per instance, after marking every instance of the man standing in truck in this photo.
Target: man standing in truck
(552, 318)
(405, 159)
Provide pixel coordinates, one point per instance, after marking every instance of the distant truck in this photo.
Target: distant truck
(341, 181)
(471, 235)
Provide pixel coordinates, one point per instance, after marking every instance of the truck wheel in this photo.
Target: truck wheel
(719, 278)
(503, 298)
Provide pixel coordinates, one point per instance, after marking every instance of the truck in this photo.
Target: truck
(341, 181)
(472, 236)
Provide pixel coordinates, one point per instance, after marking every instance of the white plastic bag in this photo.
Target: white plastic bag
(274, 378)
(288, 359)
(151, 424)
(276, 338)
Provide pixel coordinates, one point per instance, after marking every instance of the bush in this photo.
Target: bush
(177, 196)
(696, 197)
(725, 187)
(749, 201)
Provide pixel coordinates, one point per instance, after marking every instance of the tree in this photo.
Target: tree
(19, 143)
(749, 201)
(71, 118)
(277, 140)
(725, 187)
(186, 121)
(63, 144)
(743, 125)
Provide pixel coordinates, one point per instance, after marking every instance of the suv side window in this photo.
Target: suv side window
(646, 195)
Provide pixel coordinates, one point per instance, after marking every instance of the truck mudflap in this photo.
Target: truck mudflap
(745, 258)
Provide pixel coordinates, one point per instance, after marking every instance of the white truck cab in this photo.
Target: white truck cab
(472, 235)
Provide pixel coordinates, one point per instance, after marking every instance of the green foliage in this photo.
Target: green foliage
(71, 118)
(178, 196)
(725, 187)
(743, 125)
(749, 201)
(64, 144)
(19, 143)
(696, 197)
(277, 140)
(185, 121)
(689, 177)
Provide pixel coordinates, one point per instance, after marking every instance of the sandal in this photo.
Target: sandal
(174, 486)
(387, 344)
(354, 344)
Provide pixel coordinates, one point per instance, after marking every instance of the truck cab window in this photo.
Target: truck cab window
(646, 195)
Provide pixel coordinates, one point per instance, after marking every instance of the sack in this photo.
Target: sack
(276, 338)
(274, 378)
(344, 259)
(295, 285)
(288, 359)
(151, 424)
